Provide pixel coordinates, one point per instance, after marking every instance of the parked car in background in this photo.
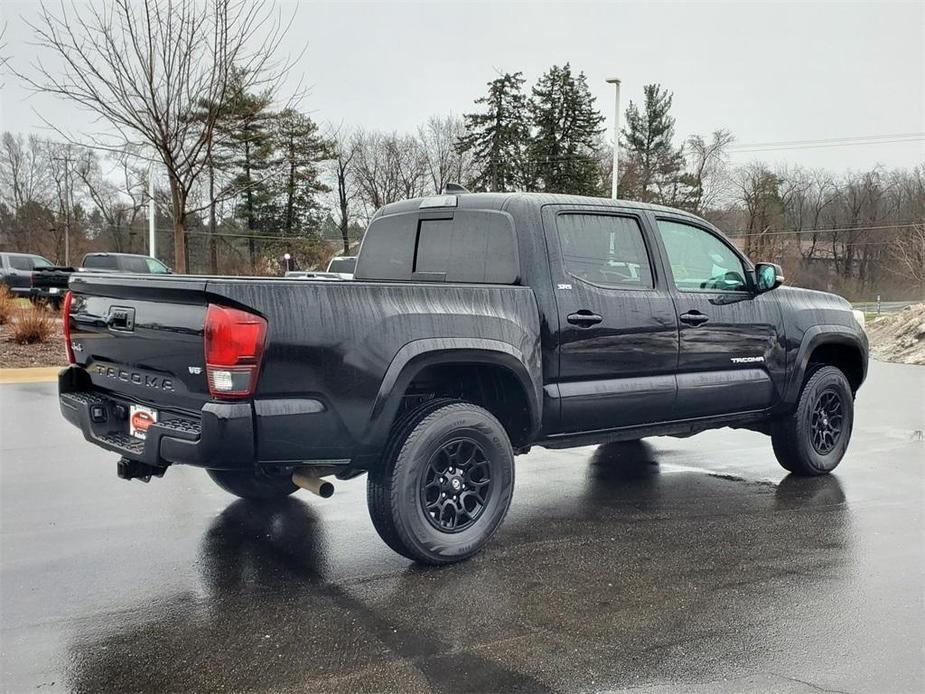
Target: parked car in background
(124, 262)
(478, 325)
(52, 280)
(343, 265)
(16, 273)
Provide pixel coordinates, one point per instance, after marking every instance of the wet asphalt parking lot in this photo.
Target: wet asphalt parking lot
(693, 565)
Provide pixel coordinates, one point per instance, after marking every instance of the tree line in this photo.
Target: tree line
(244, 174)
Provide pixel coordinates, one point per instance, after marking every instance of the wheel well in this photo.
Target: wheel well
(494, 387)
(845, 357)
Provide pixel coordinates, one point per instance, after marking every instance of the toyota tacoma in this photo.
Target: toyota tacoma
(476, 326)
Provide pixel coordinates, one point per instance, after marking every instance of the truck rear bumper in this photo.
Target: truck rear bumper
(221, 437)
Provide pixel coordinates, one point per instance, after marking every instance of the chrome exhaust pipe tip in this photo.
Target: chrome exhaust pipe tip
(315, 485)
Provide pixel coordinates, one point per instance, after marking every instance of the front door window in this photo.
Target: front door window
(700, 261)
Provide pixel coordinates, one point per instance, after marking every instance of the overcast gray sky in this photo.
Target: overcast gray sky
(768, 71)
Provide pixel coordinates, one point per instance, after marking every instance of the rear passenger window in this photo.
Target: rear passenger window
(605, 250)
(21, 262)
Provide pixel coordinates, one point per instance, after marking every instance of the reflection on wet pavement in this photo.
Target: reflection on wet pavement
(692, 564)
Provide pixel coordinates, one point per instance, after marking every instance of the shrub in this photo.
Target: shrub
(32, 325)
(7, 305)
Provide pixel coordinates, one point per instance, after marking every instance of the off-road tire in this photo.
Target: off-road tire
(249, 485)
(792, 436)
(394, 487)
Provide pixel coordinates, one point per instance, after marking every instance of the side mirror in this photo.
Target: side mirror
(768, 276)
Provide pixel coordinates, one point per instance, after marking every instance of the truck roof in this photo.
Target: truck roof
(512, 201)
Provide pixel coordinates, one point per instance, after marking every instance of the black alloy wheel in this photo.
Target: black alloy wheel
(456, 485)
(826, 424)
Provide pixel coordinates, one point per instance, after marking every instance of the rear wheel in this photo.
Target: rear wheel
(444, 484)
(251, 485)
(813, 439)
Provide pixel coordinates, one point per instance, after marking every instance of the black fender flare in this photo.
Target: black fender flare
(417, 355)
(814, 337)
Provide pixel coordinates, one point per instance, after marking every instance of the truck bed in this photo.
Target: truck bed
(329, 349)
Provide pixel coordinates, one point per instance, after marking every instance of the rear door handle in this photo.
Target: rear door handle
(584, 318)
(694, 318)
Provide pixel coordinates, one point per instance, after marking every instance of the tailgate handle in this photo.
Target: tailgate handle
(121, 319)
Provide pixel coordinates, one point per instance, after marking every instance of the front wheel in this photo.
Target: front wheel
(444, 484)
(249, 484)
(813, 439)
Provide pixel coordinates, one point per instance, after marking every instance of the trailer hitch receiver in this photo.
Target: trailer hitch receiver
(133, 470)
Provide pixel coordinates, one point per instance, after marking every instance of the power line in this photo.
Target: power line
(856, 138)
(745, 232)
(823, 146)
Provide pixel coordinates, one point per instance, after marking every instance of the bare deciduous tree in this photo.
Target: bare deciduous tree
(708, 172)
(439, 138)
(119, 204)
(146, 67)
(344, 150)
(23, 170)
(387, 167)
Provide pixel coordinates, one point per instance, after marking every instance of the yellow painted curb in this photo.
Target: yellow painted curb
(38, 374)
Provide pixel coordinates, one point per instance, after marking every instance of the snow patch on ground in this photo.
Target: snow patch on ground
(899, 336)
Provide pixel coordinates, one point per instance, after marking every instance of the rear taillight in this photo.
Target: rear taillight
(66, 320)
(234, 342)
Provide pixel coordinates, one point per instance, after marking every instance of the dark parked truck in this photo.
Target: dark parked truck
(477, 326)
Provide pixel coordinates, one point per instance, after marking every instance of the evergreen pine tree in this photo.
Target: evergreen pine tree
(497, 137)
(300, 148)
(653, 171)
(566, 127)
(245, 146)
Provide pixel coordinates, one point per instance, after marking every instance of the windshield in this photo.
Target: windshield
(156, 266)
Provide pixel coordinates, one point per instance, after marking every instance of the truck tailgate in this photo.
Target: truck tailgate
(142, 337)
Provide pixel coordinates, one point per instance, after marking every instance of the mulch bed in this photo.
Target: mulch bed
(48, 353)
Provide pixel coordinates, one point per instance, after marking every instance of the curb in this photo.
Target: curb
(37, 374)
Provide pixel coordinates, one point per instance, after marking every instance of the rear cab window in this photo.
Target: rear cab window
(468, 246)
(346, 265)
(100, 262)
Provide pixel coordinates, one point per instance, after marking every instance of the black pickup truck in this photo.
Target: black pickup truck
(477, 326)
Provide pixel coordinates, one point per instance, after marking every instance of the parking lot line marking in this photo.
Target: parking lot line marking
(38, 374)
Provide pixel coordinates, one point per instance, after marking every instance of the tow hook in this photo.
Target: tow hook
(316, 485)
(133, 470)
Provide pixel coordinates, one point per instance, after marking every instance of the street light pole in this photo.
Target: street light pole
(616, 136)
(152, 242)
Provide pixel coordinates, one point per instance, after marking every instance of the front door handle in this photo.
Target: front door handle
(694, 318)
(584, 318)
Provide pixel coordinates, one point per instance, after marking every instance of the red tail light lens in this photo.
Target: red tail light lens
(66, 320)
(234, 341)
